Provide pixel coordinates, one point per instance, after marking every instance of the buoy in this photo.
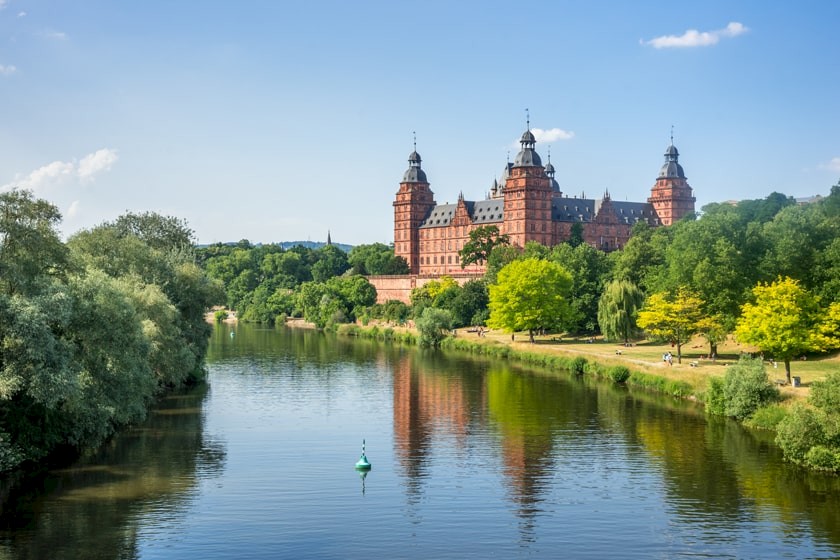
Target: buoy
(363, 464)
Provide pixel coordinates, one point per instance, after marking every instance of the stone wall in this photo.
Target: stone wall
(399, 286)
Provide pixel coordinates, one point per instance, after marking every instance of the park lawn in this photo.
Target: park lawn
(646, 356)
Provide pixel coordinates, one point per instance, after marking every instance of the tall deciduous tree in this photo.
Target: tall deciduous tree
(672, 318)
(530, 294)
(785, 320)
(30, 249)
(617, 310)
(482, 241)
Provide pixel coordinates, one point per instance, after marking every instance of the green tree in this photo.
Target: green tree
(500, 256)
(589, 268)
(617, 310)
(784, 321)
(31, 253)
(672, 318)
(332, 261)
(433, 326)
(743, 390)
(530, 294)
(376, 258)
(159, 232)
(470, 304)
(482, 241)
(575, 235)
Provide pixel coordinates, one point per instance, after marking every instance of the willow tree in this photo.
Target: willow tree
(673, 318)
(617, 310)
(530, 294)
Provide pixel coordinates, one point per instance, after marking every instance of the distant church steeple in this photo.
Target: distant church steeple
(329, 240)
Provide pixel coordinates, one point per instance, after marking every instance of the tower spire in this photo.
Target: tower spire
(527, 119)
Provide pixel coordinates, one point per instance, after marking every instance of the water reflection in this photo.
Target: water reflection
(93, 508)
(472, 458)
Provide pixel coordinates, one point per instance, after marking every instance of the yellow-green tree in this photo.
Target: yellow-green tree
(530, 294)
(785, 320)
(673, 318)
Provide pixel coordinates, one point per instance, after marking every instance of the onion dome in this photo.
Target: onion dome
(414, 174)
(527, 156)
(672, 169)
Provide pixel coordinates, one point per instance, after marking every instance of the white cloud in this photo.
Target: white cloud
(73, 209)
(55, 35)
(61, 173)
(21, 14)
(3, 4)
(7, 69)
(833, 165)
(100, 160)
(694, 38)
(552, 134)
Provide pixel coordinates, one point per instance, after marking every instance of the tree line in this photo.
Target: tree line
(93, 329)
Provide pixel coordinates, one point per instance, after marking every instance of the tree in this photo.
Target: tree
(499, 257)
(743, 390)
(332, 261)
(785, 320)
(376, 258)
(589, 268)
(617, 310)
(31, 252)
(575, 235)
(433, 326)
(482, 241)
(530, 294)
(157, 231)
(674, 319)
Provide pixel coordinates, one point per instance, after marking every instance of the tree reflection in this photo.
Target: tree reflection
(92, 509)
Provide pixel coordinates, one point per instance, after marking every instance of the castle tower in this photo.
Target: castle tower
(413, 203)
(671, 195)
(527, 196)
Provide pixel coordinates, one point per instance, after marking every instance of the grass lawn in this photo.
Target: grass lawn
(646, 356)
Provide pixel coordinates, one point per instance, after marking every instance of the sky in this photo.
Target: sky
(280, 121)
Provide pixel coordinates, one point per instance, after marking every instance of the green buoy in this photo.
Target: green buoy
(363, 464)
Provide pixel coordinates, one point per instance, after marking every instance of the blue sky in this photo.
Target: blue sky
(279, 121)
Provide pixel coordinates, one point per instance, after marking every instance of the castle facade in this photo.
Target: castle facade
(526, 205)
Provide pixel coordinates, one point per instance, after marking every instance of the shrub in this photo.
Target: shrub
(220, 315)
(433, 325)
(619, 374)
(798, 432)
(578, 366)
(766, 417)
(823, 458)
(744, 389)
(714, 399)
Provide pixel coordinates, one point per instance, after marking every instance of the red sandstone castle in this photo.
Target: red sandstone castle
(526, 205)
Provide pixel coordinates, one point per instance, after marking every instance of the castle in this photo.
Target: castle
(526, 205)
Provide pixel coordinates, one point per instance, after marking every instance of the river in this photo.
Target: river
(471, 458)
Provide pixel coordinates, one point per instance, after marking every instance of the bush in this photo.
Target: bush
(744, 389)
(434, 325)
(823, 458)
(798, 433)
(766, 417)
(619, 374)
(578, 366)
(220, 315)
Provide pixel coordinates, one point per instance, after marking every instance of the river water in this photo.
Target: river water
(471, 459)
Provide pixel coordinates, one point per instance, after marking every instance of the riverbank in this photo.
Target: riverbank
(643, 359)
